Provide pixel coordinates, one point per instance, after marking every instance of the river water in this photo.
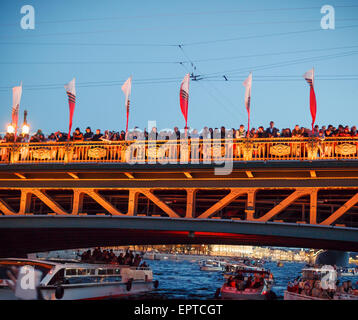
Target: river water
(183, 279)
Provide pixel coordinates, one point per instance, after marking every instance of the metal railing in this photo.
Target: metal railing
(181, 151)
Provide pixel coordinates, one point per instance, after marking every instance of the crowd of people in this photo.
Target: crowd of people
(242, 282)
(205, 133)
(313, 288)
(109, 257)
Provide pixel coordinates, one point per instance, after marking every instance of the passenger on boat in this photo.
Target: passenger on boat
(307, 289)
(350, 287)
(346, 287)
(239, 275)
(85, 256)
(248, 282)
(120, 259)
(230, 282)
(136, 260)
(317, 291)
(258, 282)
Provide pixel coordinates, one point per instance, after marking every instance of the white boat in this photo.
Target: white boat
(240, 288)
(68, 280)
(232, 269)
(347, 272)
(212, 265)
(324, 279)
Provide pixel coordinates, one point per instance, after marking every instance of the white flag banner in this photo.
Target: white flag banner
(247, 84)
(309, 76)
(16, 98)
(16, 95)
(71, 87)
(126, 88)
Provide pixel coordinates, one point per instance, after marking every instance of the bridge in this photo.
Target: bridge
(283, 192)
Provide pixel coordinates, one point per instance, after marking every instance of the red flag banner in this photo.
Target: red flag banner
(184, 97)
(126, 88)
(71, 93)
(309, 77)
(247, 84)
(16, 98)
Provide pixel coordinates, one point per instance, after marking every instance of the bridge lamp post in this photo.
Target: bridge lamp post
(25, 125)
(10, 128)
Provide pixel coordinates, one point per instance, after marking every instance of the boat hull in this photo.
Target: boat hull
(87, 291)
(231, 293)
(215, 269)
(98, 291)
(338, 296)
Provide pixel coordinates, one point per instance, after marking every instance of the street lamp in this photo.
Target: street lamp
(25, 126)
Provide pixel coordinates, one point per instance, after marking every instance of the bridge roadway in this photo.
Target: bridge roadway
(24, 234)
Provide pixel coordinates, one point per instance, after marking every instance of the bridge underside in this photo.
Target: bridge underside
(23, 235)
(322, 195)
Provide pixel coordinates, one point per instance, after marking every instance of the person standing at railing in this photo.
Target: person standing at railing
(38, 137)
(328, 133)
(88, 135)
(177, 133)
(77, 135)
(241, 133)
(97, 136)
(297, 132)
(253, 133)
(261, 132)
(286, 133)
(271, 131)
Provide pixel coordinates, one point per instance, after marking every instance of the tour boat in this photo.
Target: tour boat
(241, 292)
(347, 272)
(212, 265)
(70, 280)
(327, 278)
(232, 269)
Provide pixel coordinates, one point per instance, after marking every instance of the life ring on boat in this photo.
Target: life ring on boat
(156, 284)
(129, 284)
(217, 293)
(59, 292)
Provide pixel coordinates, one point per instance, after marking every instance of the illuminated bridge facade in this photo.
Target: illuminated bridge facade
(283, 192)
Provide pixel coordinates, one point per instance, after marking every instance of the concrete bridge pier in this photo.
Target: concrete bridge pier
(331, 257)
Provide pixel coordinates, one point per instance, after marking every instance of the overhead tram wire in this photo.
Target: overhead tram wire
(156, 44)
(196, 13)
(179, 62)
(268, 78)
(272, 54)
(277, 65)
(144, 81)
(259, 36)
(210, 93)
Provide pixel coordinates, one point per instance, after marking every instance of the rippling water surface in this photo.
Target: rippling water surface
(183, 279)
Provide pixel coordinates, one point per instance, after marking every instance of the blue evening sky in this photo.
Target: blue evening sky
(89, 40)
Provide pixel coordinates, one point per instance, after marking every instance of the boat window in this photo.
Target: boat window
(58, 277)
(117, 271)
(92, 271)
(71, 272)
(5, 268)
(6, 265)
(102, 271)
(82, 272)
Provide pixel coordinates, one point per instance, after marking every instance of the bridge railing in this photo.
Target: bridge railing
(183, 151)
